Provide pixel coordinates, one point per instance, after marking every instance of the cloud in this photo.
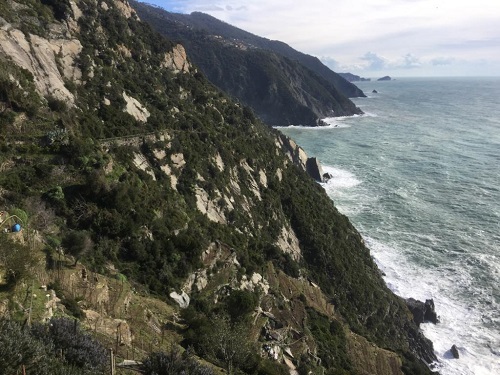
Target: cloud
(375, 62)
(331, 63)
(372, 61)
(410, 61)
(407, 35)
(230, 8)
(442, 61)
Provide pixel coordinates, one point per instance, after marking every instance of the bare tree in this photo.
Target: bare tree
(228, 342)
(41, 217)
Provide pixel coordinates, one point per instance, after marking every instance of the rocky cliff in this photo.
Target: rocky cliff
(152, 206)
(281, 85)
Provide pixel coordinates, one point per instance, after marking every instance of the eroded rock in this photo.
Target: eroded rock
(181, 299)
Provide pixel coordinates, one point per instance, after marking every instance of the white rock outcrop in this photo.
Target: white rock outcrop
(135, 108)
(142, 163)
(182, 299)
(257, 281)
(125, 8)
(176, 60)
(289, 243)
(178, 160)
(40, 57)
(209, 207)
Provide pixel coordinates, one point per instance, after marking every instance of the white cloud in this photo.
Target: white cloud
(374, 61)
(407, 36)
(442, 61)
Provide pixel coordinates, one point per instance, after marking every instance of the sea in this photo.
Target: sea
(419, 176)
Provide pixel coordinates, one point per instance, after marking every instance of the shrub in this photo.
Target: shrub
(78, 348)
(77, 243)
(173, 363)
(38, 351)
(240, 303)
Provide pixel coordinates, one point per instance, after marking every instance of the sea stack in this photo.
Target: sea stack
(385, 78)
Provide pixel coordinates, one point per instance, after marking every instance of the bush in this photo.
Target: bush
(16, 259)
(77, 243)
(38, 350)
(78, 348)
(241, 303)
(332, 342)
(173, 363)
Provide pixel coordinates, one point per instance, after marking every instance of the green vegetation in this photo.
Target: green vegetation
(331, 341)
(126, 197)
(59, 347)
(173, 363)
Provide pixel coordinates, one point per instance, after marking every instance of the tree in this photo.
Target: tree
(77, 243)
(16, 259)
(228, 343)
(173, 363)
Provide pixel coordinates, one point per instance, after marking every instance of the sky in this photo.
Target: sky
(372, 38)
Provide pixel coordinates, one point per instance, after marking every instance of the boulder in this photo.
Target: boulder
(454, 352)
(327, 177)
(422, 311)
(430, 312)
(417, 309)
(182, 299)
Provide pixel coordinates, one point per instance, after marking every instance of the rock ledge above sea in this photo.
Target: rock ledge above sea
(422, 311)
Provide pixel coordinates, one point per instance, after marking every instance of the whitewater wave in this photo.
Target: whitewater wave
(341, 178)
(459, 324)
(331, 122)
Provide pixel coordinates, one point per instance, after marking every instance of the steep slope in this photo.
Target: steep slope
(282, 85)
(118, 154)
(213, 26)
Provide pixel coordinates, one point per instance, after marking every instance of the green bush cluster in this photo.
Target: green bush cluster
(332, 343)
(57, 348)
(173, 363)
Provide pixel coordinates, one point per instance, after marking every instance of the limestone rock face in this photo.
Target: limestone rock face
(142, 163)
(177, 60)
(289, 243)
(209, 206)
(125, 8)
(38, 56)
(182, 299)
(135, 109)
(294, 152)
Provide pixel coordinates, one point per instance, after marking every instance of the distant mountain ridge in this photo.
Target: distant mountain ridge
(353, 77)
(213, 25)
(283, 86)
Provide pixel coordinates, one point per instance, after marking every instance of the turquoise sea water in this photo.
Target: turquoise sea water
(419, 176)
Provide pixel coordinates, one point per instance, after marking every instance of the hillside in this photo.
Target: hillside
(166, 220)
(282, 85)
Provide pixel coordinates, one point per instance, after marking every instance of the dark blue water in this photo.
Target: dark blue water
(419, 176)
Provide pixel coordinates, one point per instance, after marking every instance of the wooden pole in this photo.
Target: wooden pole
(112, 361)
(31, 303)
